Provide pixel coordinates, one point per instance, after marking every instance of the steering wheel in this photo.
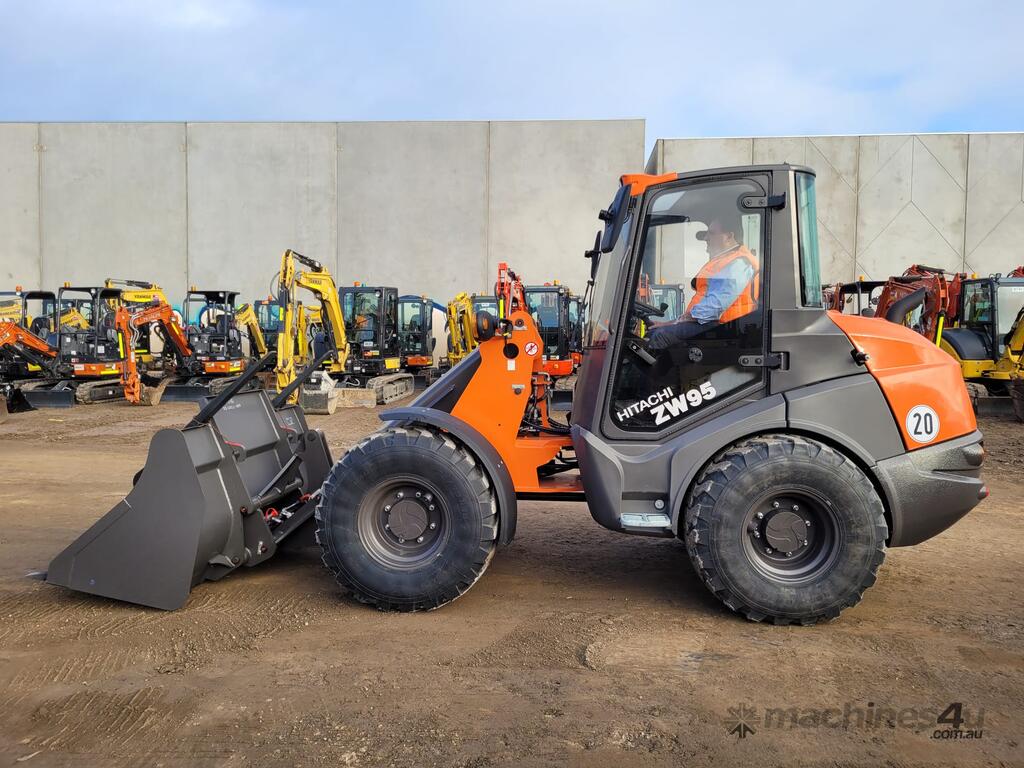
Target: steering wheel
(645, 311)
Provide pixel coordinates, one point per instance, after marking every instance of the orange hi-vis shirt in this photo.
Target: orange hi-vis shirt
(746, 301)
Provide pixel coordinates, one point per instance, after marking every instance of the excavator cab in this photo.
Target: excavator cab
(23, 360)
(416, 332)
(268, 317)
(988, 338)
(371, 324)
(215, 342)
(212, 331)
(550, 306)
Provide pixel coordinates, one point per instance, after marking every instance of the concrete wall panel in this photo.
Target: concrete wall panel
(548, 181)
(995, 203)
(19, 206)
(113, 203)
(255, 189)
(412, 206)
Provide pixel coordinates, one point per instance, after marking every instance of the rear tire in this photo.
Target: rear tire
(408, 520)
(784, 528)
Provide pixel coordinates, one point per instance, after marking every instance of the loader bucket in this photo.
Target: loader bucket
(211, 498)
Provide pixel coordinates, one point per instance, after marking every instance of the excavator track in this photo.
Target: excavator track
(391, 387)
(98, 391)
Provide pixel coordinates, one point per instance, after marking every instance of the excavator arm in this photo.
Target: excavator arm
(317, 280)
(460, 327)
(509, 291)
(127, 323)
(25, 344)
(246, 316)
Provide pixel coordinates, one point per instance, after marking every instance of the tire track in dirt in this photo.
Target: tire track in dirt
(94, 665)
(135, 723)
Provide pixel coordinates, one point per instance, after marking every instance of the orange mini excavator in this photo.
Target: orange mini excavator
(159, 315)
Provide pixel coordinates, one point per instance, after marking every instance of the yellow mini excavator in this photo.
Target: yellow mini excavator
(318, 395)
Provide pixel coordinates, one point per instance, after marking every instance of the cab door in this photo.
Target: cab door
(670, 374)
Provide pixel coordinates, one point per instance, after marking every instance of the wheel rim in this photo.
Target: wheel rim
(403, 522)
(792, 535)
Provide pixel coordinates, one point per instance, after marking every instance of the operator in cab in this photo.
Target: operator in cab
(725, 288)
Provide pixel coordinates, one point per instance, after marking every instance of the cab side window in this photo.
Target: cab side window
(702, 237)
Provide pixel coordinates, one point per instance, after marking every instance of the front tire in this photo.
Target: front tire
(785, 528)
(407, 520)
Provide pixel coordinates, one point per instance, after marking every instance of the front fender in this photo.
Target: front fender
(485, 453)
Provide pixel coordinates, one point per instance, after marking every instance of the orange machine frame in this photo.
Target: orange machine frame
(509, 379)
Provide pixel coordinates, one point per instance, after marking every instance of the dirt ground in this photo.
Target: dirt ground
(578, 647)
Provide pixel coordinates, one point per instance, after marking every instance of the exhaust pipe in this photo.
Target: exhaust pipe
(903, 307)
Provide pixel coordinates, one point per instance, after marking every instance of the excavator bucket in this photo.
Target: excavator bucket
(12, 400)
(222, 493)
(319, 395)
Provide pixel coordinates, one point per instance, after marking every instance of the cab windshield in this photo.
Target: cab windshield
(1011, 300)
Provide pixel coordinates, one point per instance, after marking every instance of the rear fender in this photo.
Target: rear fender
(485, 453)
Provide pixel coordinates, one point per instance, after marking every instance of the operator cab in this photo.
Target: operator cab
(416, 331)
(371, 325)
(709, 231)
(87, 332)
(212, 332)
(989, 307)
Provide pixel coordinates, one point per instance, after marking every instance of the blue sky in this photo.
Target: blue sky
(718, 68)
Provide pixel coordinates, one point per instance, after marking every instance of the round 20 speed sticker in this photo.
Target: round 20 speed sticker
(922, 424)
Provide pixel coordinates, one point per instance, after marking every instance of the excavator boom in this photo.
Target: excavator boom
(128, 323)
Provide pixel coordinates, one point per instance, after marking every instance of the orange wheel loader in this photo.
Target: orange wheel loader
(788, 446)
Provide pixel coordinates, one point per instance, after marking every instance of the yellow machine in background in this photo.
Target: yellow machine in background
(294, 345)
(986, 338)
(245, 316)
(460, 328)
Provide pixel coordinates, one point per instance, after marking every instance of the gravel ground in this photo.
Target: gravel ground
(579, 646)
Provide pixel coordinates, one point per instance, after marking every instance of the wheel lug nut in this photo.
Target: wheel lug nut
(760, 515)
(401, 540)
(418, 494)
(431, 507)
(796, 508)
(433, 526)
(399, 495)
(769, 550)
(387, 507)
(807, 523)
(387, 527)
(775, 505)
(419, 540)
(789, 554)
(805, 543)
(757, 534)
